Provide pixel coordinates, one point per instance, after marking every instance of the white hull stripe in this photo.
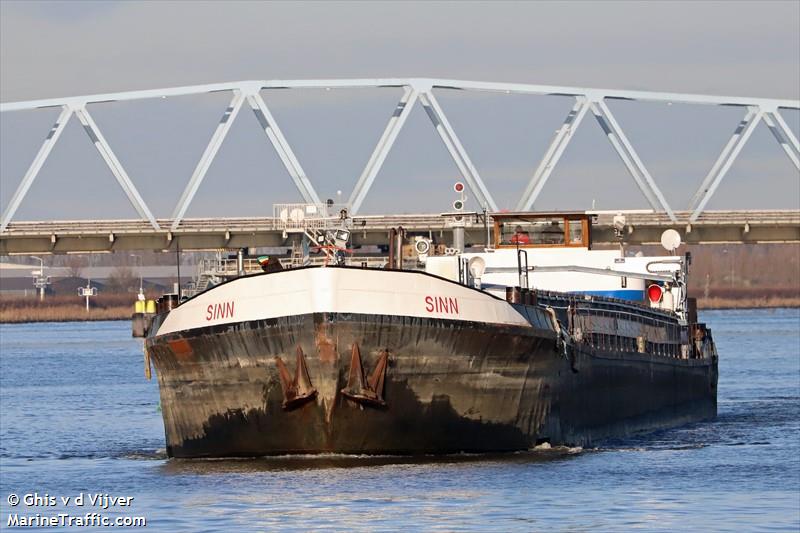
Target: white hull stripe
(339, 290)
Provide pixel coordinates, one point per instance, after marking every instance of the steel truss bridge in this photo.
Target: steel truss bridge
(153, 233)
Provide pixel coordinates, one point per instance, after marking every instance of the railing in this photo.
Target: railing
(301, 217)
(217, 270)
(226, 267)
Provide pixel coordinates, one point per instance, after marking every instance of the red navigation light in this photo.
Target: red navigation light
(655, 293)
(458, 187)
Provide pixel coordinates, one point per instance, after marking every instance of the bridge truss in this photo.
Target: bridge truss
(415, 90)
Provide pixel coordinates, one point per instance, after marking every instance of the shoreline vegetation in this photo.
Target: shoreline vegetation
(18, 310)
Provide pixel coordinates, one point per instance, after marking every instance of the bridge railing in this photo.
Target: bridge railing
(300, 217)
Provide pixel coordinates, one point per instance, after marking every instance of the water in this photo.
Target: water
(77, 415)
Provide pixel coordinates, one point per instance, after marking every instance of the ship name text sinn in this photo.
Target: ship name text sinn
(441, 304)
(219, 311)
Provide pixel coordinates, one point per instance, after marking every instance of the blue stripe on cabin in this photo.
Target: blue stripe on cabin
(622, 294)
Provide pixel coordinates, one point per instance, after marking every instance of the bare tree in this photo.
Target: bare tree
(122, 279)
(76, 264)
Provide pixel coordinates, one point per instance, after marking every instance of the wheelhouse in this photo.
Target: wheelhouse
(542, 230)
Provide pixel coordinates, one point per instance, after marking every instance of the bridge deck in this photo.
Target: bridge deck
(217, 233)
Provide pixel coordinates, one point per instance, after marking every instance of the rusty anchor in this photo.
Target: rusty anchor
(297, 390)
(366, 391)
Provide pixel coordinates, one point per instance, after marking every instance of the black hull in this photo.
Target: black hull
(449, 386)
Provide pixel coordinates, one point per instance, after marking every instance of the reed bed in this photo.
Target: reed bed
(748, 297)
(748, 303)
(66, 308)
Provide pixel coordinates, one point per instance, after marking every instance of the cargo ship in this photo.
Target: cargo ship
(536, 338)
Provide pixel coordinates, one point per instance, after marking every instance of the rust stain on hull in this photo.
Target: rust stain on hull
(326, 346)
(181, 348)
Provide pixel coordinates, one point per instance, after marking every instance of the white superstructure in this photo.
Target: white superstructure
(552, 252)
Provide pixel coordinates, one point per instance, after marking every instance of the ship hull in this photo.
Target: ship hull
(345, 382)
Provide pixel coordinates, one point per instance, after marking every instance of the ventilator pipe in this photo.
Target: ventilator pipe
(399, 236)
(392, 239)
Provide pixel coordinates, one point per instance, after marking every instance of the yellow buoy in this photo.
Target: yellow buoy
(138, 307)
(151, 306)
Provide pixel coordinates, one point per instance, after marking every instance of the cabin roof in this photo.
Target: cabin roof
(542, 214)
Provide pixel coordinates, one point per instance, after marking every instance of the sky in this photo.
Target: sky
(52, 49)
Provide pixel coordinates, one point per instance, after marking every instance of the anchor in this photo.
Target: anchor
(366, 391)
(297, 390)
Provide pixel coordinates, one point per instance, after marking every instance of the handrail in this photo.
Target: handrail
(586, 270)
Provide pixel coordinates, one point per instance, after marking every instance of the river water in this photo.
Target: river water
(77, 416)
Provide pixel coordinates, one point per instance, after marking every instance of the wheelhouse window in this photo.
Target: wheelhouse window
(535, 231)
(540, 230)
(575, 232)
